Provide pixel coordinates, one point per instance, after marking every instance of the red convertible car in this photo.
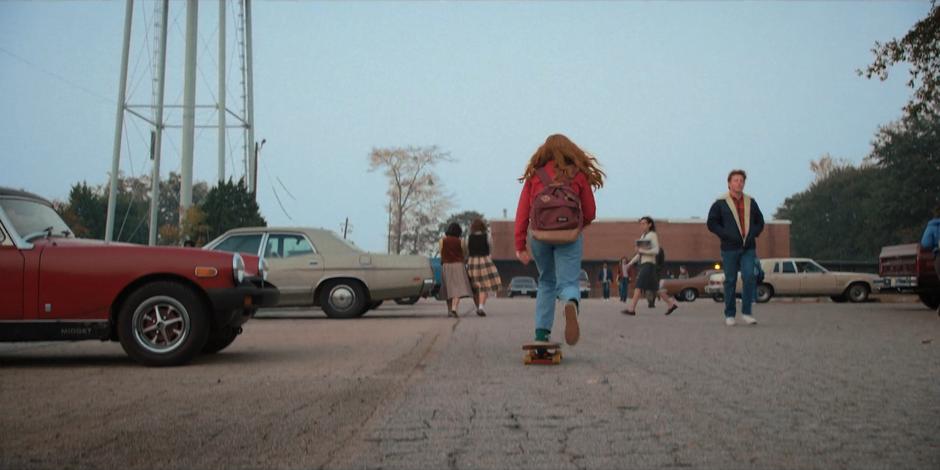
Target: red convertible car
(164, 304)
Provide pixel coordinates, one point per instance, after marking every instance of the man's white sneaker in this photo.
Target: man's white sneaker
(749, 319)
(729, 321)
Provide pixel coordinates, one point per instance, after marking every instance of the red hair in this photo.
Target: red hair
(568, 158)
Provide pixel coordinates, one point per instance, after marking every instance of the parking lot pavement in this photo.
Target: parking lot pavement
(814, 385)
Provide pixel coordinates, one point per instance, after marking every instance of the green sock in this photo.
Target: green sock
(541, 334)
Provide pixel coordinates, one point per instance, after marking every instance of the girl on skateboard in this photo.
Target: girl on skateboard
(559, 265)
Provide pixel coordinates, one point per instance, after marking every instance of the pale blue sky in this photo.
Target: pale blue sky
(668, 96)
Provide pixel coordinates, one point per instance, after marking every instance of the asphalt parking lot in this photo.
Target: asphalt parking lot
(814, 385)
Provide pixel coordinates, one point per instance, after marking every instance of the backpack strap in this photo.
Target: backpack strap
(547, 181)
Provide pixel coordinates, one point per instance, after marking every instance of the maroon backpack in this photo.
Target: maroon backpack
(555, 217)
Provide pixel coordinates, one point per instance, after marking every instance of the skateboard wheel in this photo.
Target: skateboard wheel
(527, 359)
(556, 359)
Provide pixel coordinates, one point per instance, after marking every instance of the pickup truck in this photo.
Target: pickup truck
(909, 268)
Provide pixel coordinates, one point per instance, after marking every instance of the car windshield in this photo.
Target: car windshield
(33, 217)
(523, 281)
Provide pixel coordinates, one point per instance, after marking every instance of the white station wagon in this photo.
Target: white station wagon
(312, 266)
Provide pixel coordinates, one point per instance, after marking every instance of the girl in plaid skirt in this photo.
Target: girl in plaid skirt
(483, 274)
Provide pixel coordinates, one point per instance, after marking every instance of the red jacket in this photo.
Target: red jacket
(532, 187)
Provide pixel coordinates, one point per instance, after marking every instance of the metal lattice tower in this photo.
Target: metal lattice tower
(154, 114)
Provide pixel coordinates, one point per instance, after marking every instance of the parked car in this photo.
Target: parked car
(164, 304)
(688, 289)
(715, 286)
(317, 267)
(805, 277)
(910, 268)
(584, 284)
(523, 285)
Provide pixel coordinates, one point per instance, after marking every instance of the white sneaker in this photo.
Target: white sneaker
(749, 319)
(729, 321)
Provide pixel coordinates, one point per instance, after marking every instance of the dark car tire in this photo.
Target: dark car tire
(688, 295)
(718, 298)
(407, 300)
(932, 301)
(857, 292)
(221, 339)
(764, 293)
(512, 294)
(376, 304)
(839, 299)
(176, 337)
(343, 299)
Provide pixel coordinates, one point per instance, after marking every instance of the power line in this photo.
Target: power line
(56, 76)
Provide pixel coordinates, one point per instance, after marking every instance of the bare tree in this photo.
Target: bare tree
(416, 200)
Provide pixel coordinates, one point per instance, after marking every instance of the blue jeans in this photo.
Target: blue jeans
(623, 289)
(606, 286)
(733, 262)
(559, 268)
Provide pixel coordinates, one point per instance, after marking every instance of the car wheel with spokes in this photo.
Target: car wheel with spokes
(163, 324)
(688, 295)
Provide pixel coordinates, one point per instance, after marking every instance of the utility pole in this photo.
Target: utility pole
(254, 173)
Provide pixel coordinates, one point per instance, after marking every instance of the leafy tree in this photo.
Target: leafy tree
(229, 205)
(908, 155)
(829, 220)
(85, 211)
(920, 47)
(849, 212)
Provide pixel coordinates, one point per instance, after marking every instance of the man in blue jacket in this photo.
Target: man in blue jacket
(931, 241)
(737, 221)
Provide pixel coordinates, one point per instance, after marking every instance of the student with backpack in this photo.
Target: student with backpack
(650, 258)
(556, 203)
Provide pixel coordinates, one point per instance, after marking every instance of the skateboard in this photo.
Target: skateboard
(541, 353)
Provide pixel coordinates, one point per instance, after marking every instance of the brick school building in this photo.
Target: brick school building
(685, 242)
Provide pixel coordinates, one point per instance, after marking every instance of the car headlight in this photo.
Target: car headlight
(238, 268)
(263, 269)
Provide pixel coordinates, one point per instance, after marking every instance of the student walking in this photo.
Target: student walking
(455, 283)
(623, 283)
(931, 241)
(484, 277)
(737, 221)
(562, 164)
(606, 277)
(647, 280)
